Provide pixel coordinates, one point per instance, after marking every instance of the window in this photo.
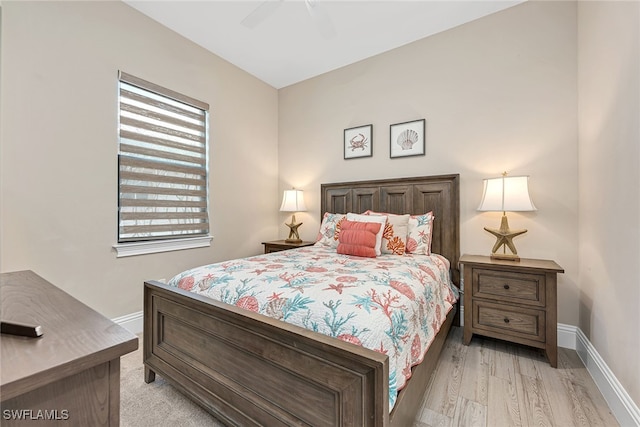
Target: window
(162, 164)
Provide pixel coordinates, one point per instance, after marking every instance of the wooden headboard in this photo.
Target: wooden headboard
(440, 194)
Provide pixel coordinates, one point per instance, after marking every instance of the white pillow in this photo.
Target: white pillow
(380, 219)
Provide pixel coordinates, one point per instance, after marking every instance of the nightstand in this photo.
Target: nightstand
(282, 245)
(512, 301)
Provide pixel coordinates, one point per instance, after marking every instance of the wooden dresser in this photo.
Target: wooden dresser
(70, 376)
(512, 301)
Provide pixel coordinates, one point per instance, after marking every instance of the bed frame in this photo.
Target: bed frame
(249, 370)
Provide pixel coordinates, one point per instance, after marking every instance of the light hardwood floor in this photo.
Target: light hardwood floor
(494, 383)
(488, 383)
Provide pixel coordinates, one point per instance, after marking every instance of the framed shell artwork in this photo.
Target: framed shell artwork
(407, 139)
(358, 142)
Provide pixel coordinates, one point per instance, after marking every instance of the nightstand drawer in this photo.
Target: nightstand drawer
(522, 288)
(509, 320)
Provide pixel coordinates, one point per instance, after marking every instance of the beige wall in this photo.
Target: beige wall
(498, 94)
(609, 179)
(59, 141)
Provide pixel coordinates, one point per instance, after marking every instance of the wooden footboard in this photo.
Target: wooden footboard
(248, 369)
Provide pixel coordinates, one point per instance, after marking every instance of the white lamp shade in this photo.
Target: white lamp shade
(293, 201)
(507, 193)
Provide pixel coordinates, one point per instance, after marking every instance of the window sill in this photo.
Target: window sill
(143, 248)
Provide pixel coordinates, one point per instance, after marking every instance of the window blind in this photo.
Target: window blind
(162, 163)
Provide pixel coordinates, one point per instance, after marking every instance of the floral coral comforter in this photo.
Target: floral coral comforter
(391, 304)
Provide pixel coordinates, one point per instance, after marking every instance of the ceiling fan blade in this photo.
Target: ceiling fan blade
(321, 19)
(261, 13)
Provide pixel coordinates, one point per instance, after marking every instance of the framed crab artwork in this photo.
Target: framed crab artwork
(407, 139)
(358, 142)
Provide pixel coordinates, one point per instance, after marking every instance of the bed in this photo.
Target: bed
(249, 369)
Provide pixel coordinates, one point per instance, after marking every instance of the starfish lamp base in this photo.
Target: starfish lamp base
(294, 237)
(505, 257)
(504, 238)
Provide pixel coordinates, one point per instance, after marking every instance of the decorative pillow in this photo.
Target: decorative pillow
(420, 232)
(382, 220)
(358, 238)
(394, 236)
(330, 229)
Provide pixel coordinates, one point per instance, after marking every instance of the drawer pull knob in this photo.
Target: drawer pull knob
(506, 320)
(506, 286)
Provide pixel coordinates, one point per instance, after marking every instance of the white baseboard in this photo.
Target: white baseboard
(623, 408)
(620, 403)
(132, 322)
(571, 337)
(567, 336)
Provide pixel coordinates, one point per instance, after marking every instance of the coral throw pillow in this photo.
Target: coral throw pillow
(358, 238)
(381, 219)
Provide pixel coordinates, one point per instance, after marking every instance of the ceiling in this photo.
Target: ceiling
(287, 41)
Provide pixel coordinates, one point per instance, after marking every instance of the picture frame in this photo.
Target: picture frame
(358, 142)
(407, 139)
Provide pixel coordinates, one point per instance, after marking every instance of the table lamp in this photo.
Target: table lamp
(506, 193)
(293, 201)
